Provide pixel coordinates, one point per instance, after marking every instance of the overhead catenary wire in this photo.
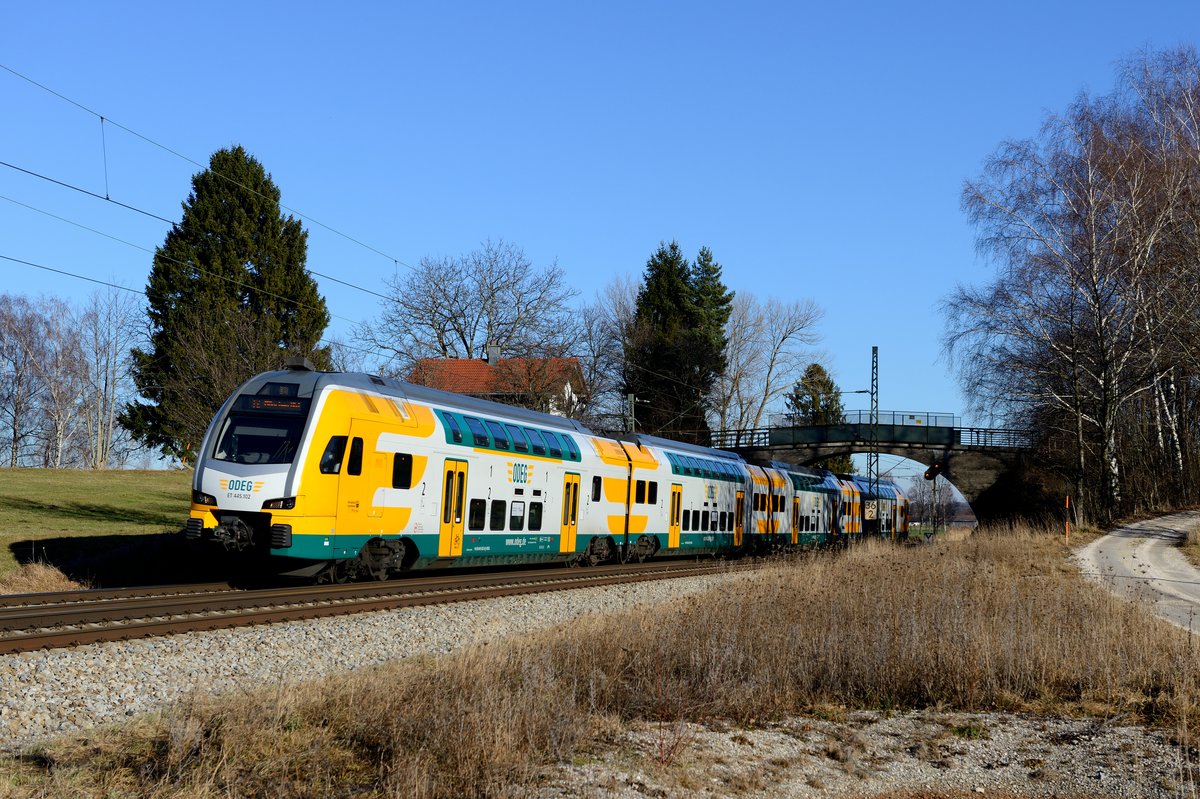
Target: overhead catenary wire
(118, 286)
(196, 163)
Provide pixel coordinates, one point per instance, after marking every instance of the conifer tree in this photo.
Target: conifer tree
(675, 350)
(229, 296)
(817, 400)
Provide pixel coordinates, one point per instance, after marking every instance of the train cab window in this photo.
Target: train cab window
(704, 522)
(497, 431)
(496, 522)
(596, 488)
(652, 493)
(478, 510)
(331, 458)
(354, 465)
(535, 516)
(516, 515)
(640, 492)
(552, 444)
(453, 426)
(477, 432)
(535, 441)
(402, 464)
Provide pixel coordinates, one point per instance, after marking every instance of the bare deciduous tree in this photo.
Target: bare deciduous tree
(453, 307)
(769, 346)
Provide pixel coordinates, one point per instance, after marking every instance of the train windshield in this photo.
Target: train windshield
(258, 432)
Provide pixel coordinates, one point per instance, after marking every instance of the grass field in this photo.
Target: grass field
(78, 520)
(992, 622)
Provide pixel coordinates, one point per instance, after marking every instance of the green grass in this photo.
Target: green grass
(65, 516)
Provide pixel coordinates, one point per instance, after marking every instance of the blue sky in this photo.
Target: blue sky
(819, 151)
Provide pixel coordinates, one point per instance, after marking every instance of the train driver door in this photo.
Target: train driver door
(453, 500)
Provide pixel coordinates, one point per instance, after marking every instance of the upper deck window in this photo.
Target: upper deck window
(452, 426)
(497, 431)
(480, 435)
(519, 442)
(535, 441)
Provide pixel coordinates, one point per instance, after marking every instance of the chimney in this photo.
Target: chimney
(492, 353)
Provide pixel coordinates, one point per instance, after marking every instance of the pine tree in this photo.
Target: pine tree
(676, 348)
(817, 400)
(229, 296)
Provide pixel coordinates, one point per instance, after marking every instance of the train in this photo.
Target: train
(339, 476)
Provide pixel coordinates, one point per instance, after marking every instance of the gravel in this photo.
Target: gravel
(67, 690)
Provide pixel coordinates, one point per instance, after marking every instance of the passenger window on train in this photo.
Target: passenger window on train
(402, 464)
(478, 510)
(497, 433)
(652, 493)
(552, 443)
(724, 521)
(686, 525)
(535, 516)
(477, 432)
(570, 448)
(516, 515)
(452, 426)
(715, 519)
(518, 438)
(536, 441)
(640, 492)
(331, 458)
(496, 522)
(354, 466)
(596, 488)
(695, 520)
(704, 522)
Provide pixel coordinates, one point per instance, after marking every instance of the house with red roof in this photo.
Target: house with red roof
(551, 385)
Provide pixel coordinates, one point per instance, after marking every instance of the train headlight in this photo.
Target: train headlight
(200, 498)
(284, 503)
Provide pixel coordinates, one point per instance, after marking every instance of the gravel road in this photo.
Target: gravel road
(1142, 561)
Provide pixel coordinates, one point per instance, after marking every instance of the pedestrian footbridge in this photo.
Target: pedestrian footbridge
(983, 463)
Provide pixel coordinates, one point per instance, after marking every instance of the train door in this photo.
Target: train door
(795, 520)
(454, 490)
(739, 518)
(673, 521)
(570, 514)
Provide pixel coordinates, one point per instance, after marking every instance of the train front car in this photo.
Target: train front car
(246, 466)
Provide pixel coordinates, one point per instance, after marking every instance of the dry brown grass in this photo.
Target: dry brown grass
(36, 578)
(997, 621)
(1190, 546)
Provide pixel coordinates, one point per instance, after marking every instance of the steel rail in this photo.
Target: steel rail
(275, 605)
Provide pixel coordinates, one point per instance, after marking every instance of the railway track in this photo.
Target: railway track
(48, 621)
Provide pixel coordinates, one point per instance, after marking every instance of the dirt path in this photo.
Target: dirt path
(1142, 561)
